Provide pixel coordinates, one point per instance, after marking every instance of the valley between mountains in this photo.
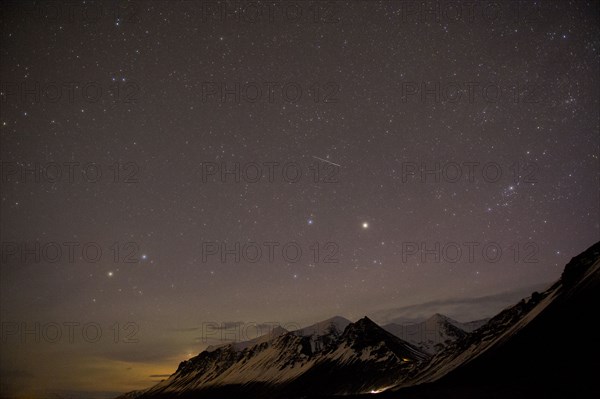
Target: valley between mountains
(546, 345)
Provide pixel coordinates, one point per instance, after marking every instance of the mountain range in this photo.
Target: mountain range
(435, 333)
(546, 346)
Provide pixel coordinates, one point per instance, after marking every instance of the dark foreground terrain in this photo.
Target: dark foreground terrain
(545, 346)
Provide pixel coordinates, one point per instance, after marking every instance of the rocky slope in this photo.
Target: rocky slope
(320, 359)
(544, 346)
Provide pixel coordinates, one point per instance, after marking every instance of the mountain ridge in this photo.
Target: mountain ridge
(507, 355)
(295, 361)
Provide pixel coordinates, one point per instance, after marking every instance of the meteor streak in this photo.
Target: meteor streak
(324, 160)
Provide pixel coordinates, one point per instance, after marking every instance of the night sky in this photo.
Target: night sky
(175, 136)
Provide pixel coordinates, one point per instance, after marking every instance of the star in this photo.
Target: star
(226, 165)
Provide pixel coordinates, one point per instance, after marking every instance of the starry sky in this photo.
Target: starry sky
(169, 167)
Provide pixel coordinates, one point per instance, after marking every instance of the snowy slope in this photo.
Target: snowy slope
(238, 346)
(296, 360)
(544, 346)
(542, 343)
(433, 334)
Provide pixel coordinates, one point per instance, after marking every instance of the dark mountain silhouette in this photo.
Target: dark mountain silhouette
(320, 359)
(545, 346)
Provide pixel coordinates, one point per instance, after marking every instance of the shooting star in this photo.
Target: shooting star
(324, 160)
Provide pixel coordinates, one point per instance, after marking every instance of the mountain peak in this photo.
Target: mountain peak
(336, 323)
(337, 320)
(510, 349)
(366, 329)
(363, 324)
(366, 320)
(440, 318)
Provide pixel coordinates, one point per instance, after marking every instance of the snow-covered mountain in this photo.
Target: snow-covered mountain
(331, 357)
(238, 346)
(544, 346)
(435, 333)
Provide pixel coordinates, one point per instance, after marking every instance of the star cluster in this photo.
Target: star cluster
(358, 157)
